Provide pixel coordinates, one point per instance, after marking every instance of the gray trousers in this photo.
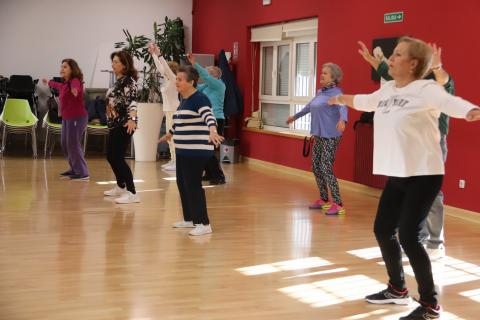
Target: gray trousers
(432, 232)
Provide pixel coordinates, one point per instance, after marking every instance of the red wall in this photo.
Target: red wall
(452, 25)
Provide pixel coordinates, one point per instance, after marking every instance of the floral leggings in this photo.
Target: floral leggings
(323, 157)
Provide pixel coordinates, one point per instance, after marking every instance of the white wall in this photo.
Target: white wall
(36, 35)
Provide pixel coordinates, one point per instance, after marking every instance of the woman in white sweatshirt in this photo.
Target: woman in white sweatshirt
(169, 92)
(407, 150)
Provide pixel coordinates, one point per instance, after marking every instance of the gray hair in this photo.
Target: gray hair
(215, 70)
(335, 71)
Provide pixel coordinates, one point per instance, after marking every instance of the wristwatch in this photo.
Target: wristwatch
(133, 118)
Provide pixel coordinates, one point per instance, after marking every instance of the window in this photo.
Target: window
(288, 80)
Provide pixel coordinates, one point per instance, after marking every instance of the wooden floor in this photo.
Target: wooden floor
(66, 252)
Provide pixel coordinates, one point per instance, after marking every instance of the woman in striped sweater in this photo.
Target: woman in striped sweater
(195, 135)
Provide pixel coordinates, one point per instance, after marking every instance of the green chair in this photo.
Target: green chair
(51, 130)
(96, 130)
(17, 118)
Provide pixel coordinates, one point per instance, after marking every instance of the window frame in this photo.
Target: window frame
(291, 99)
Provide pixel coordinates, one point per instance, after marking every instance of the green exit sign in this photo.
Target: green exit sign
(393, 17)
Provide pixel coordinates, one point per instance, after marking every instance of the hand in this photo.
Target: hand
(45, 81)
(191, 58)
(341, 126)
(365, 53)
(290, 119)
(165, 138)
(131, 126)
(75, 92)
(153, 49)
(215, 138)
(473, 115)
(436, 55)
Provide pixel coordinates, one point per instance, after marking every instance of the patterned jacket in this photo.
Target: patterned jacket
(120, 101)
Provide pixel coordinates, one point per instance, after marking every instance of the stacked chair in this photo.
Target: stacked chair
(17, 118)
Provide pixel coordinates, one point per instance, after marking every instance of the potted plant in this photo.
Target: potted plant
(169, 37)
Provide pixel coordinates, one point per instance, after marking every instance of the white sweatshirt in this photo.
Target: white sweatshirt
(406, 135)
(168, 90)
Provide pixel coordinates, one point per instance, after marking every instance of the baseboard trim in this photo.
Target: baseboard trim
(458, 213)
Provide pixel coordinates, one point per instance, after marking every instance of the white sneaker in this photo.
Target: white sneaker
(183, 224)
(436, 253)
(115, 191)
(171, 167)
(200, 230)
(167, 164)
(128, 197)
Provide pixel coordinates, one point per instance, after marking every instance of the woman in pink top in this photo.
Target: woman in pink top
(74, 118)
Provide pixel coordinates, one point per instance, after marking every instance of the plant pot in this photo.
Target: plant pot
(145, 138)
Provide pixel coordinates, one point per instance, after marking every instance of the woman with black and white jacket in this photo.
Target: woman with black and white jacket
(407, 150)
(122, 122)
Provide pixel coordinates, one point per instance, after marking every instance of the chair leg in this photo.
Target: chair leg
(34, 142)
(4, 139)
(52, 145)
(46, 144)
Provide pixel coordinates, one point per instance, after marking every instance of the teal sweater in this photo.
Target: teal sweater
(382, 72)
(214, 89)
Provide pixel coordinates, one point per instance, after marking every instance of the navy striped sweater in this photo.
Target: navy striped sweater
(191, 126)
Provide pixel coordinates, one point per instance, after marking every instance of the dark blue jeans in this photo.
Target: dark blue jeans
(403, 208)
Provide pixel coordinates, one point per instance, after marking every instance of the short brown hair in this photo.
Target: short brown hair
(191, 72)
(173, 65)
(418, 50)
(127, 60)
(76, 72)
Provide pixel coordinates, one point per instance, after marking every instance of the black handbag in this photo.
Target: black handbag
(307, 145)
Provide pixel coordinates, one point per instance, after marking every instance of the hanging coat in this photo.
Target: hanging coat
(233, 104)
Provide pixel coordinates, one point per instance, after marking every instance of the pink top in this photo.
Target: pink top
(70, 106)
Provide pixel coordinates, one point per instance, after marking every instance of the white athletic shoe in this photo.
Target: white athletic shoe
(200, 230)
(183, 224)
(115, 191)
(171, 167)
(436, 253)
(128, 197)
(167, 164)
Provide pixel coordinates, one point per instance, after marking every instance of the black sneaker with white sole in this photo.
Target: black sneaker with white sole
(79, 177)
(423, 312)
(389, 296)
(67, 173)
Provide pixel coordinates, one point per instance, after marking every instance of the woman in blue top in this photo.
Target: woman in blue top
(214, 88)
(327, 126)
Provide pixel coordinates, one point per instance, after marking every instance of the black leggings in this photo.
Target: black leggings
(117, 146)
(403, 208)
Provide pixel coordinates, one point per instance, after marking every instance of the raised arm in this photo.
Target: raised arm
(163, 68)
(441, 76)
(365, 53)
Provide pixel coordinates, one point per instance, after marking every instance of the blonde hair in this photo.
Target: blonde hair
(173, 65)
(419, 50)
(216, 70)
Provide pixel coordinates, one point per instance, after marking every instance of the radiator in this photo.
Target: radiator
(364, 157)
